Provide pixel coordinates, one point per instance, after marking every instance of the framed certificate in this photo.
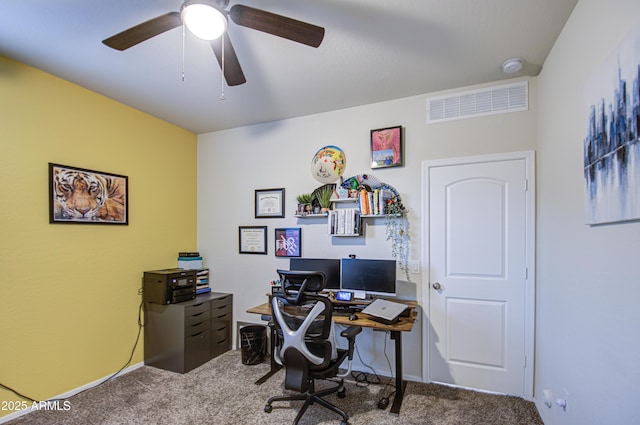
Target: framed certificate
(269, 203)
(252, 240)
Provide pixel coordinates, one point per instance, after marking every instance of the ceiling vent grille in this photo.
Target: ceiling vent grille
(478, 103)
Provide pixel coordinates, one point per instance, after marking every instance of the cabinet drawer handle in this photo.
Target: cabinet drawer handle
(197, 324)
(223, 306)
(220, 317)
(199, 333)
(197, 314)
(222, 328)
(197, 305)
(222, 340)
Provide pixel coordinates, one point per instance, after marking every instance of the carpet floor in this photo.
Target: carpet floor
(223, 392)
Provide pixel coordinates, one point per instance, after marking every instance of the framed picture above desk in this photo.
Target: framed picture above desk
(252, 240)
(269, 203)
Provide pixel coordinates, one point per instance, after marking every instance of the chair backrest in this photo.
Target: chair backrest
(296, 283)
(303, 321)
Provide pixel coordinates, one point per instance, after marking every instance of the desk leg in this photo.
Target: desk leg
(400, 382)
(275, 367)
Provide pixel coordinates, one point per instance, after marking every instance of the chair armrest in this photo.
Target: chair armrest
(350, 333)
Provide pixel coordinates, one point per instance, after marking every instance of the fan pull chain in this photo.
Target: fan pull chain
(222, 75)
(183, 43)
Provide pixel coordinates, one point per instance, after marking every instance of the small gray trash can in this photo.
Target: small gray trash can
(253, 344)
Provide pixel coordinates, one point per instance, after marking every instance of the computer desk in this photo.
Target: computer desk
(395, 331)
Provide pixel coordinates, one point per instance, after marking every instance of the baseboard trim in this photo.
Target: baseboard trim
(72, 392)
(542, 410)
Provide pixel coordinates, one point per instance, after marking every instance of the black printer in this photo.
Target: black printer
(169, 286)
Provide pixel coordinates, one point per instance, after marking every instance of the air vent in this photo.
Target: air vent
(478, 103)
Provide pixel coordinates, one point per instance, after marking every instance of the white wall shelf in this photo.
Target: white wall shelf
(311, 215)
(337, 221)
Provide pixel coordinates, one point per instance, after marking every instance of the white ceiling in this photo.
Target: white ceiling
(373, 50)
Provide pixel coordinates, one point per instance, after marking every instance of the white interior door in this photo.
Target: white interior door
(478, 236)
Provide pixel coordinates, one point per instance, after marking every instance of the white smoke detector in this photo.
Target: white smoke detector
(512, 65)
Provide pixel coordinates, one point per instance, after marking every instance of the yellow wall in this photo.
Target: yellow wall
(69, 299)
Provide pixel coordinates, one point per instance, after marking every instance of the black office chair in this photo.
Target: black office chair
(304, 346)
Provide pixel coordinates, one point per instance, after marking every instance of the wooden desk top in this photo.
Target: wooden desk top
(404, 325)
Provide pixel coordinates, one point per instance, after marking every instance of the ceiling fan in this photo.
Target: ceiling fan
(214, 17)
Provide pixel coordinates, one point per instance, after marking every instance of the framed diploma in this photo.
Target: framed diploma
(270, 203)
(252, 240)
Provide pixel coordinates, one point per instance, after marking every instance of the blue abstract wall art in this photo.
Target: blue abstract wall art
(612, 144)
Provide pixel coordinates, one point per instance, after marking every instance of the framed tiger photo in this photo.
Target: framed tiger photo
(81, 196)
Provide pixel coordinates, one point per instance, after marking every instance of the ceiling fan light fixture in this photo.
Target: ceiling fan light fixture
(203, 20)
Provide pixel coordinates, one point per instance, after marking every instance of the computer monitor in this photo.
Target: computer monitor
(330, 267)
(375, 277)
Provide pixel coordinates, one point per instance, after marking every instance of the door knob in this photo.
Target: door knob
(437, 286)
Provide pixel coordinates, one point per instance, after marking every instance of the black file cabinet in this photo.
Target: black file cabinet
(180, 337)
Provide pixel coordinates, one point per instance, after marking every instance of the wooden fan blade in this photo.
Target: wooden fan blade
(278, 25)
(144, 31)
(232, 70)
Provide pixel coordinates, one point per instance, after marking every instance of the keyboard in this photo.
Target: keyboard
(347, 309)
(343, 310)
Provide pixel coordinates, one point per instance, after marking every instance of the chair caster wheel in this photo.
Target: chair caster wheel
(268, 408)
(344, 423)
(342, 394)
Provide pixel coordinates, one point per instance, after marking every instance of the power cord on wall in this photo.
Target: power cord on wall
(135, 345)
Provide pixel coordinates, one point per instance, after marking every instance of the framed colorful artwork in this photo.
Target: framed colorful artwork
(386, 147)
(288, 242)
(81, 196)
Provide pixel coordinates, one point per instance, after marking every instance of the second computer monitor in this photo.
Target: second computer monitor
(375, 277)
(330, 267)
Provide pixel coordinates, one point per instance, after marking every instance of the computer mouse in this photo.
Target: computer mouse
(353, 316)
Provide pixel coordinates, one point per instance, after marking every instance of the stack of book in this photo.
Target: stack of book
(202, 281)
(344, 221)
(189, 260)
(373, 203)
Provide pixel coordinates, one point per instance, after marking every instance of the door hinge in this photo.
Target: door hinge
(526, 185)
(526, 273)
(525, 362)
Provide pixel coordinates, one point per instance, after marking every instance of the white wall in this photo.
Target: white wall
(588, 278)
(233, 163)
(588, 319)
